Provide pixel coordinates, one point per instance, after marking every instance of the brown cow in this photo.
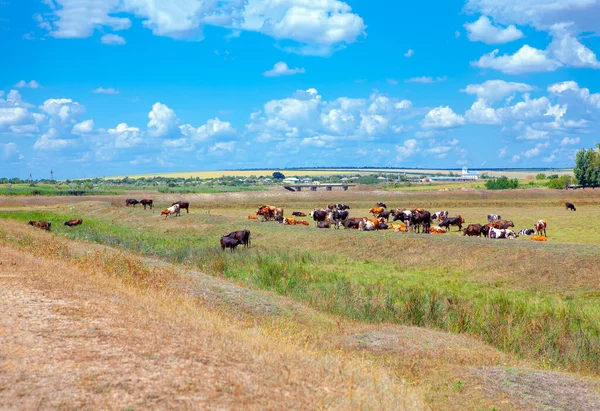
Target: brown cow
(502, 224)
(73, 223)
(540, 227)
(44, 225)
(473, 230)
(182, 204)
(147, 202)
(323, 224)
(376, 210)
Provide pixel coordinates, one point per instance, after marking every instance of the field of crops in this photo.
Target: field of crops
(539, 302)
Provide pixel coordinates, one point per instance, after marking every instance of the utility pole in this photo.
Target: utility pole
(51, 175)
(30, 178)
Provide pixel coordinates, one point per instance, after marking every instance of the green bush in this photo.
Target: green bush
(502, 183)
(540, 176)
(560, 183)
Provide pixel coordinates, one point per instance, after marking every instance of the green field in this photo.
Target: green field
(538, 300)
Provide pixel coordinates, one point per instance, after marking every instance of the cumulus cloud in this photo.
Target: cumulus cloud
(442, 117)
(163, 120)
(535, 151)
(125, 136)
(569, 141)
(494, 90)
(101, 90)
(31, 84)
(526, 60)
(282, 69)
(84, 127)
(64, 109)
(533, 134)
(112, 40)
(481, 113)
(483, 30)
(50, 141)
(318, 27)
(409, 53)
(212, 129)
(406, 150)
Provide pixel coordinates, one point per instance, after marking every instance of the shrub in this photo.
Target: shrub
(540, 176)
(502, 183)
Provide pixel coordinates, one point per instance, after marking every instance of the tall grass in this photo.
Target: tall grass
(556, 331)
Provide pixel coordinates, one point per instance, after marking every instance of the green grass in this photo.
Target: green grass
(374, 277)
(209, 189)
(48, 190)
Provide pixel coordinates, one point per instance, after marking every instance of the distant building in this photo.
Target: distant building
(469, 175)
(290, 180)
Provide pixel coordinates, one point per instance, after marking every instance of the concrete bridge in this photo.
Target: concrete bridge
(313, 187)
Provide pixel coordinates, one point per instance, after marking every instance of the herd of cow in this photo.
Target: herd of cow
(416, 220)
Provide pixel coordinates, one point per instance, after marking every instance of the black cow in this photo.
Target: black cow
(73, 223)
(323, 224)
(338, 216)
(380, 204)
(298, 214)
(229, 242)
(457, 221)
(147, 202)
(131, 201)
(342, 207)
(318, 215)
(243, 237)
(351, 223)
(421, 219)
(570, 206)
(385, 214)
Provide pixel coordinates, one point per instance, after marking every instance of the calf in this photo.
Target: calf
(570, 206)
(502, 233)
(73, 223)
(298, 214)
(492, 217)
(526, 231)
(457, 221)
(366, 225)
(44, 225)
(540, 227)
(376, 210)
(473, 230)
(437, 230)
(229, 242)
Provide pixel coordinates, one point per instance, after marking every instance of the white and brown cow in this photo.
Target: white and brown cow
(540, 227)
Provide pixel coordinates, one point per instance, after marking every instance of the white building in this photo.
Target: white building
(469, 175)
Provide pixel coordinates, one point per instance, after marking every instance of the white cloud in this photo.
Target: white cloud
(101, 90)
(125, 136)
(481, 113)
(112, 40)
(10, 116)
(31, 84)
(406, 150)
(79, 18)
(442, 117)
(50, 142)
(212, 129)
(494, 90)
(163, 120)
(526, 60)
(10, 152)
(223, 146)
(282, 69)
(535, 151)
(64, 109)
(503, 152)
(571, 88)
(569, 141)
(483, 30)
(409, 53)
(566, 48)
(84, 127)
(533, 134)
(426, 79)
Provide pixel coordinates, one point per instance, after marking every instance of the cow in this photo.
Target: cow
(266, 212)
(131, 201)
(342, 207)
(385, 214)
(380, 204)
(298, 214)
(174, 209)
(473, 230)
(252, 217)
(289, 221)
(402, 215)
(229, 242)
(437, 230)
(318, 215)
(502, 224)
(526, 231)
(279, 219)
(540, 227)
(330, 207)
(383, 226)
(183, 204)
(376, 210)
(44, 225)
(366, 225)
(485, 230)
(492, 217)
(421, 219)
(440, 215)
(73, 223)
(338, 216)
(502, 233)
(147, 202)
(457, 221)
(570, 206)
(351, 223)
(323, 224)
(302, 222)
(242, 236)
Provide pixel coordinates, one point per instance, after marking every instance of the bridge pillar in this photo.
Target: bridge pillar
(328, 188)
(313, 188)
(345, 188)
(298, 188)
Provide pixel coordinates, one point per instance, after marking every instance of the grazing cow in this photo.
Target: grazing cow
(540, 227)
(323, 224)
(318, 215)
(73, 223)
(229, 242)
(351, 223)
(437, 230)
(131, 201)
(502, 233)
(457, 221)
(492, 217)
(366, 225)
(147, 202)
(570, 206)
(385, 214)
(502, 224)
(174, 209)
(44, 225)
(440, 215)
(380, 204)
(473, 230)
(242, 236)
(338, 216)
(342, 207)
(376, 210)
(298, 214)
(526, 231)
(183, 204)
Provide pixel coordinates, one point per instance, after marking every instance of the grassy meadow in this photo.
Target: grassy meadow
(539, 301)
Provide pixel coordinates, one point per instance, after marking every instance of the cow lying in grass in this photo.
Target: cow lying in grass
(502, 233)
(73, 223)
(44, 225)
(473, 230)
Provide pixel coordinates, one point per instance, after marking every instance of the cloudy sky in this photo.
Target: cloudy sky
(105, 87)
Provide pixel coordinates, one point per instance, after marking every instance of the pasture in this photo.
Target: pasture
(531, 301)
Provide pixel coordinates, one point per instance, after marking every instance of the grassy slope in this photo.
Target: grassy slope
(521, 296)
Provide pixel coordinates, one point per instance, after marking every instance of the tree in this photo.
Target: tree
(540, 176)
(587, 167)
(560, 183)
(278, 175)
(502, 183)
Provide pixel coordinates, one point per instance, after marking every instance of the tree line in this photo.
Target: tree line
(587, 167)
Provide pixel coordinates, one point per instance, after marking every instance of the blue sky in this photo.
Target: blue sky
(111, 87)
